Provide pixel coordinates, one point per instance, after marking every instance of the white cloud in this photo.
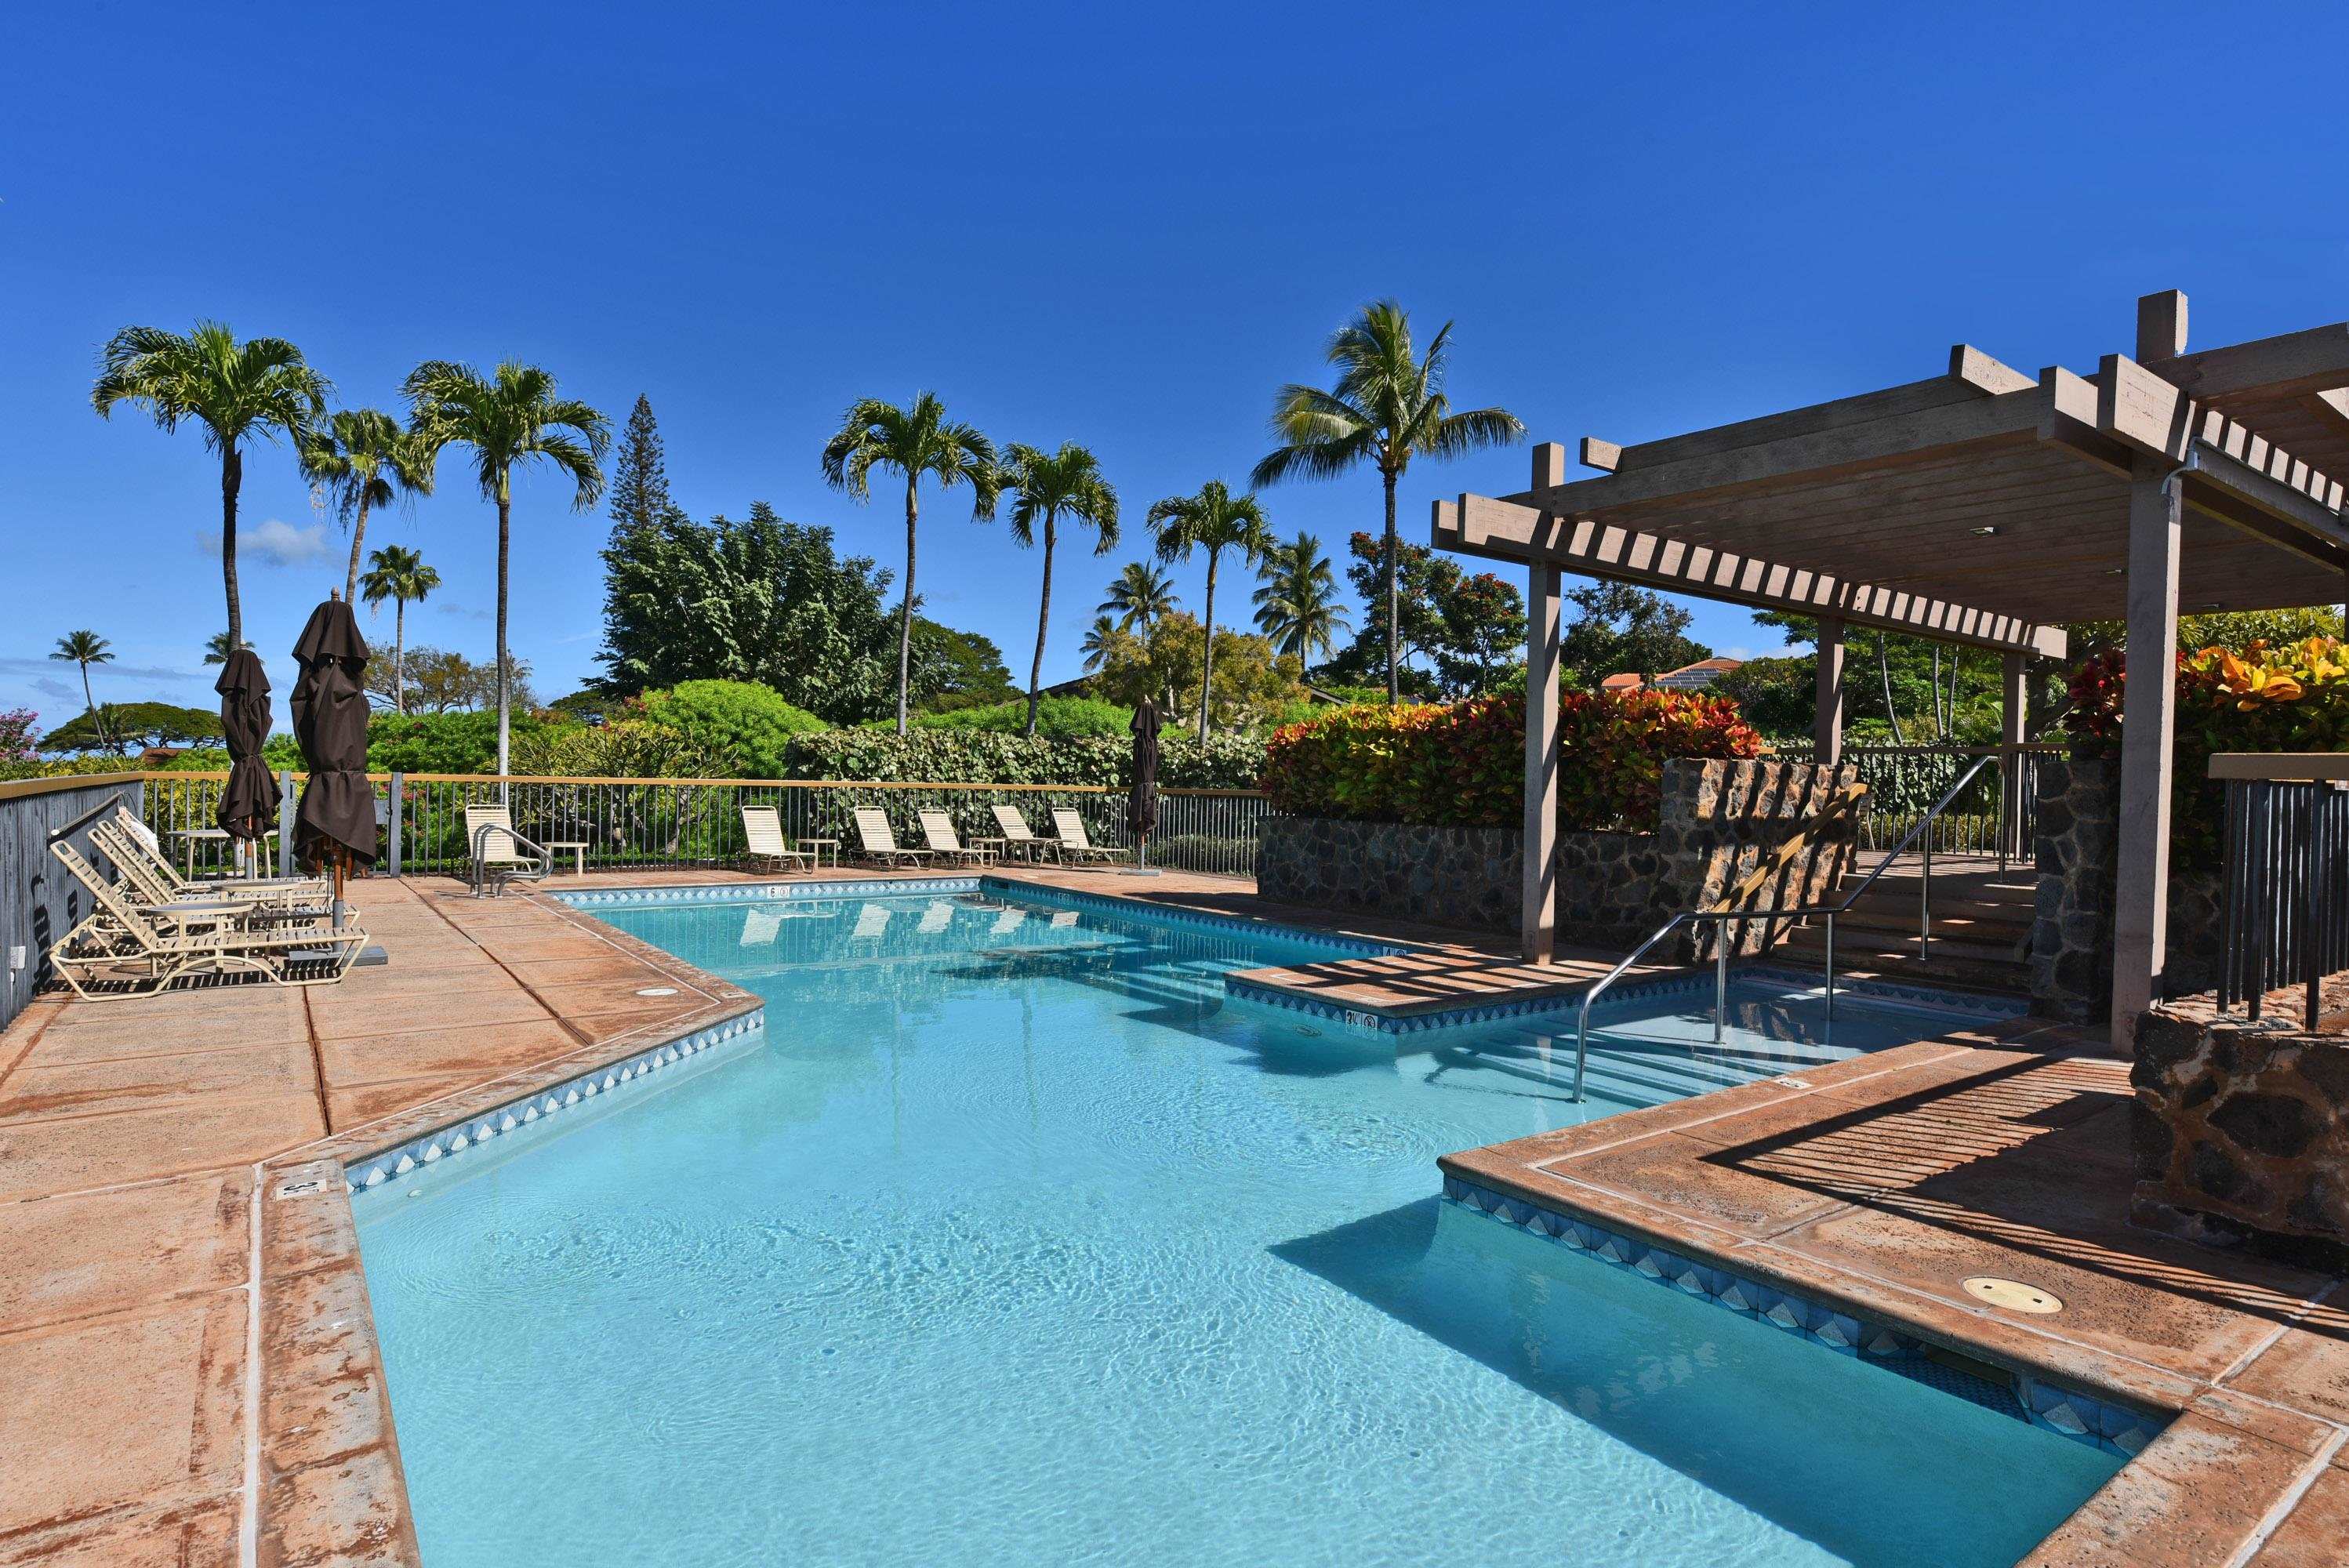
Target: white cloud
(275, 543)
(57, 689)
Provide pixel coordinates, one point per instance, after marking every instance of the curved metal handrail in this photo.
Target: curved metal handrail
(1720, 953)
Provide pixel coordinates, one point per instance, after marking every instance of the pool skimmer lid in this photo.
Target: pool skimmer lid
(2014, 1295)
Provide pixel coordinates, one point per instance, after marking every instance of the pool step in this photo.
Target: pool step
(1982, 919)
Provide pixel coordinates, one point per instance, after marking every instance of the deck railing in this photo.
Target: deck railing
(661, 824)
(1995, 815)
(2286, 902)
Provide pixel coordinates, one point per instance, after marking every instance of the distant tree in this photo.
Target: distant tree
(85, 648)
(1297, 603)
(640, 472)
(747, 725)
(365, 461)
(761, 600)
(1387, 408)
(1462, 628)
(115, 727)
(956, 670)
(438, 681)
(1213, 520)
(913, 441)
(236, 391)
(1250, 683)
(1106, 641)
(1142, 595)
(511, 417)
(1778, 696)
(1618, 627)
(1050, 486)
(217, 648)
(401, 576)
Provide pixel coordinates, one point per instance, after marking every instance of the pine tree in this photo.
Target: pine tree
(640, 478)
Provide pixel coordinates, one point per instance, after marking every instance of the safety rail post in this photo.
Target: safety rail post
(392, 845)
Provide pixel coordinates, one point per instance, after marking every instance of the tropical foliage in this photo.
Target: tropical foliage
(2291, 696)
(1618, 628)
(1388, 405)
(1463, 632)
(400, 575)
(85, 648)
(235, 391)
(1140, 597)
(512, 417)
(1055, 718)
(914, 442)
(1463, 764)
(1297, 599)
(639, 489)
(120, 727)
(747, 727)
(19, 734)
(1224, 762)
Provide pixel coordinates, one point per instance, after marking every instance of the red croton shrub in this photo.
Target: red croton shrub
(2285, 696)
(1463, 764)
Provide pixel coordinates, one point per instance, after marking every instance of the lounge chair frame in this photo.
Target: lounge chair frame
(939, 834)
(1069, 828)
(763, 840)
(1019, 840)
(877, 841)
(497, 858)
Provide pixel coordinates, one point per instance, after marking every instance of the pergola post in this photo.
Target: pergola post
(2013, 727)
(1826, 726)
(1538, 929)
(2148, 718)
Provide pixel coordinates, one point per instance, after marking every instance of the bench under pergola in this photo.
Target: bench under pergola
(1982, 507)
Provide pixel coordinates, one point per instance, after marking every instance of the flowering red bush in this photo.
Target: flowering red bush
(1462, 765)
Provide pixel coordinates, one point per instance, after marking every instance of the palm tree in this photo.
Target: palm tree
(86, 649)
(1387, 408)
(1104, 640)
(218, 647)
(1213, 520)
(1050, 485)
(234, 390)
(509, 417)
(366, 460)
(913, 442)
(399, 575)
(1297, 605)
(1142, 596)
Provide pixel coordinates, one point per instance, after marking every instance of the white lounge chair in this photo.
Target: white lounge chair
(500, 855)
(1018, 841)
(150, 880)
(876, 841)
(763, 840)
(1071, 828)
(939, 834)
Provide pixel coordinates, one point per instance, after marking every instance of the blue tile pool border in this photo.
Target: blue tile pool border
(2053, 1407)
(628, 1076)
(1962, 1008)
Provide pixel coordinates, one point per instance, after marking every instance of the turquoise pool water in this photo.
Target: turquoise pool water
(1015, 1243)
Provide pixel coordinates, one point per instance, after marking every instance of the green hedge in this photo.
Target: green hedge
(1057, 718)
(985, 757)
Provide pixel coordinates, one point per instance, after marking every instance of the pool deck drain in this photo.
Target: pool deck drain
(166, 1165)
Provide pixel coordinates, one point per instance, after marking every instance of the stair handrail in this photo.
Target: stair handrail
(1720, 911)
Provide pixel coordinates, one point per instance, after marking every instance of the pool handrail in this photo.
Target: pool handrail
(1828, 911)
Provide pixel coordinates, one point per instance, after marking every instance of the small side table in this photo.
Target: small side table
(578, 848)
(997, 849)
(818, 846)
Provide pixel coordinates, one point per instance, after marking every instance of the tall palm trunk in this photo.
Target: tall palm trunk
(505, 536)
(1207, 652)
(1395, 599)
(1043, 619)
(97, 724)
(905, 609)
(359, 537)
(232, 480)
(400, 656)
(1883, 675)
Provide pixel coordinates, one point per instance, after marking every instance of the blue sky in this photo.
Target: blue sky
(1119, 225)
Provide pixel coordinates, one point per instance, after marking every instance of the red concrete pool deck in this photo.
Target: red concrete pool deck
(1880, 1184)
(191, 1364)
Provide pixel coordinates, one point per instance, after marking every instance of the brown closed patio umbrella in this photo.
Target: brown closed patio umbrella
(334, 824)
(248, 804)
(1141, 797)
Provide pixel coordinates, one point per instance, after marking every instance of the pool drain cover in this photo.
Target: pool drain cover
(2014, 1295)
(657, 990)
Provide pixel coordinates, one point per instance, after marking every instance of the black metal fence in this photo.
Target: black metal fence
(661, 824)
(2287, 891)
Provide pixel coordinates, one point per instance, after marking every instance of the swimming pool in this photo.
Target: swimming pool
(1015, 1241)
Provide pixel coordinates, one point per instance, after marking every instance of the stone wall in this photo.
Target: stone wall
(1717, 821)
(2242, 1127)
(2071, 935)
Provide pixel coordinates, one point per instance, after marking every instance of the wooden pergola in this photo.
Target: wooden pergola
(1982, 507)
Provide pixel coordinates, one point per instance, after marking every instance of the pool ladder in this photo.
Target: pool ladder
(1721, 912)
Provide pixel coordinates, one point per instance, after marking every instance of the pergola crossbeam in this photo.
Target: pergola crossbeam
(1510, 531)
(2316, 360)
